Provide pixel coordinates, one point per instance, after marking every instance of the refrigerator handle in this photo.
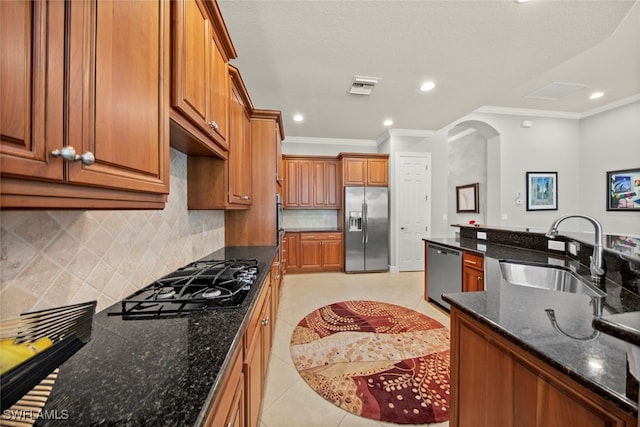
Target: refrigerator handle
(366, 222)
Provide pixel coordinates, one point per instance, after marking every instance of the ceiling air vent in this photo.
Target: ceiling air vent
(362, 85)
(555, 91)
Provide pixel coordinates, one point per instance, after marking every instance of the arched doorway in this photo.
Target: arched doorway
(473, 155)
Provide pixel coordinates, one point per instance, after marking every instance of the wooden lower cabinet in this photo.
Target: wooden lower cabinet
(229, 409)
(472, 272)
(257, 346)
(314, 252)
(496, 383)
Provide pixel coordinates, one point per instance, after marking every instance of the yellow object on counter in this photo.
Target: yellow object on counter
(12, 354)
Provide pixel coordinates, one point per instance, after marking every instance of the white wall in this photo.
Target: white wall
(608, 141)
(467, 161)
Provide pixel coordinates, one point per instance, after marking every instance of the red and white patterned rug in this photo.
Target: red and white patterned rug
(376, 360)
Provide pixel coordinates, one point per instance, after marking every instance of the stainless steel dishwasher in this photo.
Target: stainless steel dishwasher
(444, 272)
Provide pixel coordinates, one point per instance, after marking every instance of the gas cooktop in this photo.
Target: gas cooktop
(199, 286)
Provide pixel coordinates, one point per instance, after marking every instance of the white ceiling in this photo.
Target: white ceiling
(300, 57)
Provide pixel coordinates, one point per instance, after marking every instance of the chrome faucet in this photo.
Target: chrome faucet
(597, 266)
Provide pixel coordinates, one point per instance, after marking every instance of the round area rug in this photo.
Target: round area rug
(376, 360)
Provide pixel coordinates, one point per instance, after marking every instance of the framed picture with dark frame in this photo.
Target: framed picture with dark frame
(623, 190)
(467, 198)
(542, 191)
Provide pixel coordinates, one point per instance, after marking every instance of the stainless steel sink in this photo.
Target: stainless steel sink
(547, 277)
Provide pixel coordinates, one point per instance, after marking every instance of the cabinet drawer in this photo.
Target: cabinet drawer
(320, 236)
(473, 260)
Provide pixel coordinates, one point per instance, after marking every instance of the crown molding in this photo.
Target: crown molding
(611, 106)
(329, 141)
(488, 109)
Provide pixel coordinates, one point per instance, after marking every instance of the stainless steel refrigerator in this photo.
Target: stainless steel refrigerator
(366, 229)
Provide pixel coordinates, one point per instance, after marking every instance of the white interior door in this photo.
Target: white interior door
(414, 209)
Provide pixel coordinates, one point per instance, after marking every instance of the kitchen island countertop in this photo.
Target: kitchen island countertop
(157, 371)
(519, 313)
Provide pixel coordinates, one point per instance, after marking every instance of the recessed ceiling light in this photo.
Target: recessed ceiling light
(298, 118)
(520, 1)
(596, 95)
(387, 122)
(427, 86)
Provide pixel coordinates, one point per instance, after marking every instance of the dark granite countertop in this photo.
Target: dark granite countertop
(161, 372)
(596, 360)
(312, 230)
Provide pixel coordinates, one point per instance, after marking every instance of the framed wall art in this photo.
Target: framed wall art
(623, 190)
(467, 198)
(542, 191)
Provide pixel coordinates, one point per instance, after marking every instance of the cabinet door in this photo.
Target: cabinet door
(253, 381)
(377, 172)
(331, 180)
(305, 183)
(236, 415)
(324, 184)
(319, 187)
(293, 252)
(355, 171)
(117, 107)
(472, 272)
(485, 376)
(219, 93)
(194, 65)
(291, 183)
(310, 254)
(239, 153)
(279, 172)
(332, 255)
(31, 99)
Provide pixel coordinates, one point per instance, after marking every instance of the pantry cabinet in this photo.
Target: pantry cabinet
(364, 169)
(72, 114)
(496, 383)
(472, 272)
(310, 183)
(201, 49)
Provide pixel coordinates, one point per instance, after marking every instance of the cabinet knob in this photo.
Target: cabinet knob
(68, 153)
(265, 321)
(245, 197)
(213, 125)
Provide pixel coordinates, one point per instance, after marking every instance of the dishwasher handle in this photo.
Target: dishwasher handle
(445, 251)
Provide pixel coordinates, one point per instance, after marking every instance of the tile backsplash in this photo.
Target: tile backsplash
(309, 218)
(54, 258)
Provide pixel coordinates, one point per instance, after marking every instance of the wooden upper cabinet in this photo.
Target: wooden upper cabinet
(365, 169)
(32, 78)
(377, 172)
(201, 49)
(118, 112)
(240, 169)
(279, 168)
(324, 183)
(114, 93)
(311, 182)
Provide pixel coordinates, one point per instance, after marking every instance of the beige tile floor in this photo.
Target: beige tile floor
(289, 401)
